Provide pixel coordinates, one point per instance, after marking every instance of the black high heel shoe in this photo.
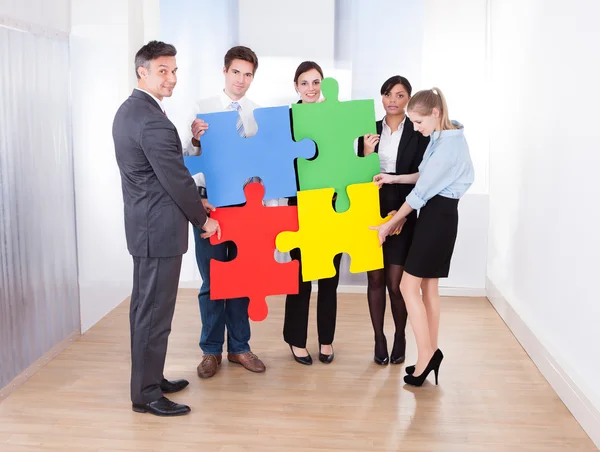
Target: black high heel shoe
(398, 352)
(433, 365)
(326, 358)
(398, 360)
(306, 360)
(382, 358)
(410, 370)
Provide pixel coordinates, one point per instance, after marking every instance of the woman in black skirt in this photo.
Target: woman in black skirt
(445, 174)
(307, 82)
(400, 150)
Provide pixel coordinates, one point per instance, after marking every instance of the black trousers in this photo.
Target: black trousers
(155, 282)
(295, 325)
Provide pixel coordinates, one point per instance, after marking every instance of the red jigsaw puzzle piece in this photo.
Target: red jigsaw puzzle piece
(254, 273)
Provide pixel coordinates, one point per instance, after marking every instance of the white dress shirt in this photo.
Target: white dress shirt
(388, 146)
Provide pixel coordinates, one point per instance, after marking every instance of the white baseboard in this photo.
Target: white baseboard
(570, 393)
(348, 288)
(444, 291)
(462, 292)
(190, 284)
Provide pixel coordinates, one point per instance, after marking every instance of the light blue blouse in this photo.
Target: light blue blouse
(446, 168)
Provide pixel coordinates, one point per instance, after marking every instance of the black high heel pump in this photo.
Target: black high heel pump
(306, 360)
(398, 351)
(380, 356)
(327, 359)
(433, 365)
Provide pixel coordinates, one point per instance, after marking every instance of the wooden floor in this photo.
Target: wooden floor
(491, 397)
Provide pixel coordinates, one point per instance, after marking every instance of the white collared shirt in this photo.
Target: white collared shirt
(160, 104)
(388, 146)
(215, 104)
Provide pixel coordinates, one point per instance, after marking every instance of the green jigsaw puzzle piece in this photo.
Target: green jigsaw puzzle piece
(334, 126)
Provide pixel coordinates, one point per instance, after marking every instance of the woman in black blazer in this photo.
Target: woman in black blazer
(400, 151)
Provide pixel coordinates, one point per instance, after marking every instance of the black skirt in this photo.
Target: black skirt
(434, 238)
(395, 247)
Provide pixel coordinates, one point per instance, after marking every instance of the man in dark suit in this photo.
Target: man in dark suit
(160, 197)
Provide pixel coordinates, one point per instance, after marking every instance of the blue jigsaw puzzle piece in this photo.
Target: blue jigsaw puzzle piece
(228, 160)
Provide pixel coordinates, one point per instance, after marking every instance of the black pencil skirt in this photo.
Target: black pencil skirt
(434, 238)
(395, 247)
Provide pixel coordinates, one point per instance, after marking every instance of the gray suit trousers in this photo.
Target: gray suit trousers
(155, 282)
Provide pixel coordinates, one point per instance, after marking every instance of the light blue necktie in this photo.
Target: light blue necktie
(240, 129)
(240, 125)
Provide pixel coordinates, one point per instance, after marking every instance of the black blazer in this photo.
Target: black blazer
(411, 148)
(159, 195)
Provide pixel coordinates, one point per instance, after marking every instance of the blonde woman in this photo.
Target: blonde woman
(445, 174)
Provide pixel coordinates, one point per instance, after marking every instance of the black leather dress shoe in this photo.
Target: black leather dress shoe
(168, 387)
(326, 358)
(162, 407)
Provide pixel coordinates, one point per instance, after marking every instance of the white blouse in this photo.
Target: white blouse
(388, 146)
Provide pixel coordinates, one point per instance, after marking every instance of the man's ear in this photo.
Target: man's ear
(142, 71)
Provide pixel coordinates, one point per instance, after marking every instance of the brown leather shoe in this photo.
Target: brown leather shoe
(249, 360)
(209, 365)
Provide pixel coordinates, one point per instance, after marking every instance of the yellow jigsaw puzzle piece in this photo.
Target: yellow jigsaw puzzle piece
(323, 232)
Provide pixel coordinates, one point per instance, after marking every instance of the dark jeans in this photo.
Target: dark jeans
(218, 314)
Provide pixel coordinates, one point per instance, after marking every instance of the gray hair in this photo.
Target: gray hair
(152, 51)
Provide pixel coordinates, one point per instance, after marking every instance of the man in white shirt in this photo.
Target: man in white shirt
(240, 64)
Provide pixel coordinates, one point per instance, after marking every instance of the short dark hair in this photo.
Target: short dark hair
(240, 53)
(387, 86)
(152, 51)
(307, 66)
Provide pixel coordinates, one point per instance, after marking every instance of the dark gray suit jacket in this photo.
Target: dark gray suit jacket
(159, 193)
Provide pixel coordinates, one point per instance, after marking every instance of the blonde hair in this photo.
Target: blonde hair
(425, 101)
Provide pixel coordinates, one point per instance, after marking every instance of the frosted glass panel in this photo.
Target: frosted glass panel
(39, 304)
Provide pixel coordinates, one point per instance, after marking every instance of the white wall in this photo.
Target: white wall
(54, 15)
(105, 36)
(284, 34)
(279, 29)
(380, 51)
(454, 60)
(544, 159)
